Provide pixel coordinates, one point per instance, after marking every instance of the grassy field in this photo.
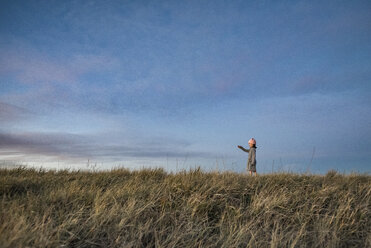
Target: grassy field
(152, 208)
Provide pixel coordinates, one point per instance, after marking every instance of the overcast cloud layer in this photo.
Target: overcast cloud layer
(157, 82)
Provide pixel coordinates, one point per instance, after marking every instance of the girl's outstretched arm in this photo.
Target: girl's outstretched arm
(243, 149)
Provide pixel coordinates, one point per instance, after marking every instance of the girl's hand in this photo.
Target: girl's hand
(240, 147)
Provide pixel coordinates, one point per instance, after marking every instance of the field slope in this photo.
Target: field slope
(152, 208)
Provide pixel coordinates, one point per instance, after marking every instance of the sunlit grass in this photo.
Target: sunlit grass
(152, 208)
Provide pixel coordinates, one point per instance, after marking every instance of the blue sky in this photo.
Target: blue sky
(181, 83)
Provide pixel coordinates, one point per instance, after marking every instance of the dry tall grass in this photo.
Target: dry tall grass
(151, 208)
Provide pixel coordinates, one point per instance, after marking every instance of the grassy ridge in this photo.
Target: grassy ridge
(151, 208)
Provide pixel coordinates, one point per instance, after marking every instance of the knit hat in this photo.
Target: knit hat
(252, 141)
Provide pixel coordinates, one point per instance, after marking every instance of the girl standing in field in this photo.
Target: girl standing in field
(251, 161)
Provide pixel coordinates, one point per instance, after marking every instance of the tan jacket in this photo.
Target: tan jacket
(251, 161)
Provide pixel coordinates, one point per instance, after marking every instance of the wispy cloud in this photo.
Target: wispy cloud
(30, 66)
(67, 145)
(327, 83)
(11, 113)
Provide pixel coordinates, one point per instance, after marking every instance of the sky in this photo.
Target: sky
(179, 84)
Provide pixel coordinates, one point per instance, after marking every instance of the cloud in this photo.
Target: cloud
(72, 146)
(11, 113)
(322, 82)
(173, 58)
(28, 65)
